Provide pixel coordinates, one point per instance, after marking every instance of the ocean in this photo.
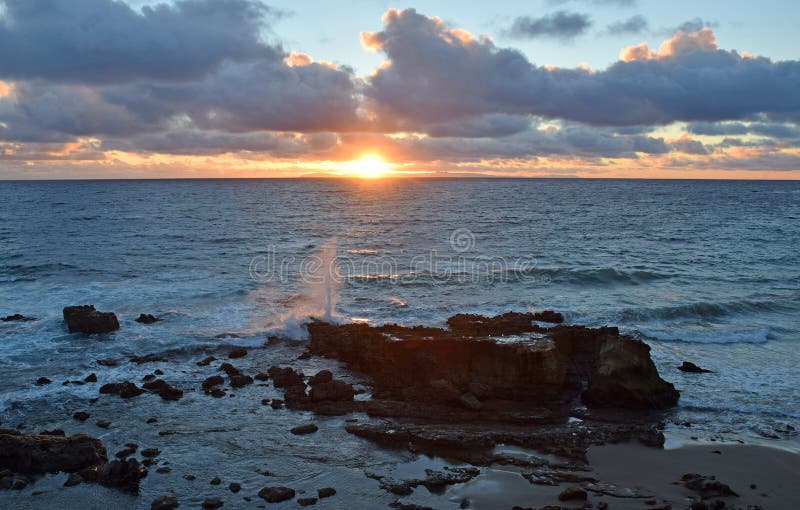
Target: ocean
(704, 271)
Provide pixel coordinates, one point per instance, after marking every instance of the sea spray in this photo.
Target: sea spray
(320, 277)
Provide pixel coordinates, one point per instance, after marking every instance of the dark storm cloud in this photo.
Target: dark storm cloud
(484, 126)
(739, 128)
(437, 75)
(559, 25)
(633, 25)
(104, 41)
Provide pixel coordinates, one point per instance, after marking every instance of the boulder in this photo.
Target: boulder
(238, 352)
(34, 454)
(276, 494)
(164, 389)
(124, 389)
(285, 377)
(146, 318)
(85, 319)
(332, 390)
(572, 494)
(164, 503)
(239, 381)
(326, 492)
(42, 381)
(624, 376)
(433, 365)
(214, 380)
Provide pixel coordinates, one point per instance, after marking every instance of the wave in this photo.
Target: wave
(758, 336)
(702, 310)
(593, 276)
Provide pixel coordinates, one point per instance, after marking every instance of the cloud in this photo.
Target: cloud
(434, 75)
(633, 25)
(561, 25)
(105, 41)
(771, 130)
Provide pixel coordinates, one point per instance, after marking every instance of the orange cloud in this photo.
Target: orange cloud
(680, 43)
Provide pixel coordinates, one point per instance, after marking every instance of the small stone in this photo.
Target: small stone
(276, 403)
(262, 376)
(206, 361)
(276, 494)
(91, 378)
(42, 381)
(306, 501)
(164, 503)
(81, 415)
(189, 477)
(215, 481)
(107, 362)
(146, 318)
(164, 469)
(235, 487)
(150, 452)
(103, 424)
(326, 492)
(152, 420)
(309, 428)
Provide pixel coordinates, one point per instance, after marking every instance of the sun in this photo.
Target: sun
(369, 166)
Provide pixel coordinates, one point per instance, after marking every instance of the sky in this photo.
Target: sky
(542, 88)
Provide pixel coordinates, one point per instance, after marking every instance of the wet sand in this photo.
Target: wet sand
(654, 473)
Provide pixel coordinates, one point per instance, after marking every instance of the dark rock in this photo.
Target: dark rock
(152, 420)
(42, 381)
(285, 377)
(238, 352)
(164, 469)
(304, 355)
(85, 319)
(276, 494)
(306, 501)
(326, 492)
(148, 377)
(147, 358)
(146, 318)
(81, 415)
(149, 462)
(103, 424)
(126, 452)
(124, 389)
(707, 486)
(690, 367)
(214, 380)
(323, 376)
(235, 487)
(215, 481)
(150, 452)
(33, 454)
(229, 369)
(72, 480)
(212, 504)
(261, 376)
(17, 317)
(511, 323)
(189, 477)
(91, 378)
(164, 389)
(107, 362)
(626, 377)
(699, 505)
(206, 361)
(276, 403)
(432, 365)
(331, 390)
(308, 428)
(239, 381)
(164, 503)
(572, 493)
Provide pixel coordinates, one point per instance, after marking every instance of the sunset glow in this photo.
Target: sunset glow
(370, 166)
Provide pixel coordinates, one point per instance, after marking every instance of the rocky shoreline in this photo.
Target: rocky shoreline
(520, 380)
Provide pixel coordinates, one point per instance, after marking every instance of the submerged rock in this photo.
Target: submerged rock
(308, 428)
(688, 366)
(146, 318)
(85, 319)
(163, 389)
(238, 352)
(17, 317)
(164, 503)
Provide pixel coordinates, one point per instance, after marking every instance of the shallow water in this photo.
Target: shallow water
(703, 271)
